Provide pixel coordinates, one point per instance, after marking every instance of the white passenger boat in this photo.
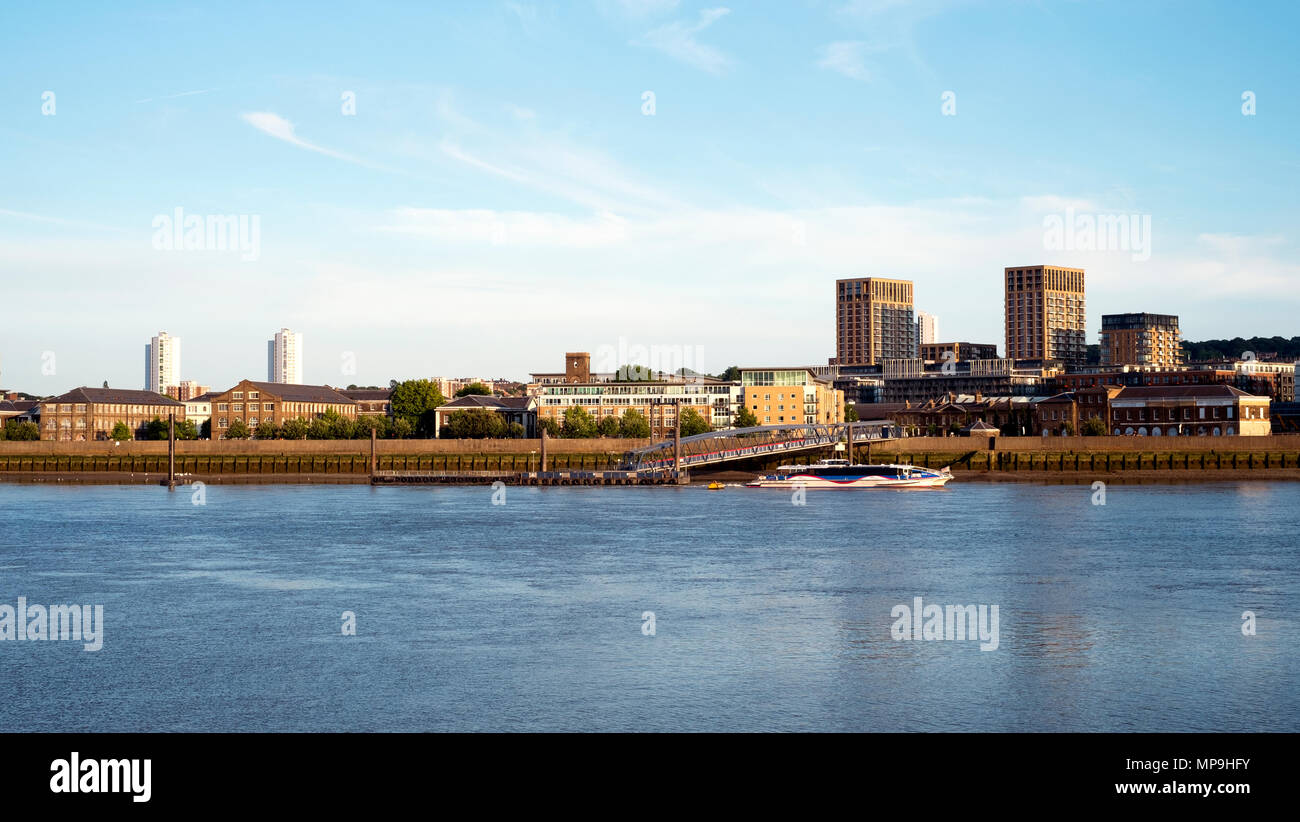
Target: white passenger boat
(834, 473)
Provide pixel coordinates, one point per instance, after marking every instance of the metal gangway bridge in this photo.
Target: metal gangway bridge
(759, 441)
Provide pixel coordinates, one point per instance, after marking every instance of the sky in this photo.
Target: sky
(474, 189)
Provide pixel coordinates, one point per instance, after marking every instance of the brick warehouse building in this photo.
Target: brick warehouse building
(1198, 410)
(258, 402)
(371, 402)
(86, 414)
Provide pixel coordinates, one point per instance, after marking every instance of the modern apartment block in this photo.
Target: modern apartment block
(284, 357)
(1141, 339)
(1275, 380)
(186, 390)
(658, 400)
(448, 386)
(961, 351)
(162, 363)
(790, 395)
(1044, 312)
(88, 414)
(927, 328)
(873, 321)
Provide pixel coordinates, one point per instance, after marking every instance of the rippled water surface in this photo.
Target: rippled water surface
(767, 615)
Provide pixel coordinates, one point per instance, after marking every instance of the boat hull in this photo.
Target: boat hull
(809, 481)
(839, 474)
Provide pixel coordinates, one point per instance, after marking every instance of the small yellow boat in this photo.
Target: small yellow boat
(716, 486)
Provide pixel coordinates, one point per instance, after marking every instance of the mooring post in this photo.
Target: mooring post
(374, 438)
(850, 429)
(171, 451)
(677, 440)
(543, 450)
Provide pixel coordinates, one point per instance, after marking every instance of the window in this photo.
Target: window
(252, 395)
(239, 406)
(238, 395)
(221, 423)
(221, 406)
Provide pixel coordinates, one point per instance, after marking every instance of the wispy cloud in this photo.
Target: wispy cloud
(455, 152)
(174, 96)
(644, 8)
(281, 129)
(552, 164)
(59, 221)
(516, 228)
(845, 57)
(677, 40)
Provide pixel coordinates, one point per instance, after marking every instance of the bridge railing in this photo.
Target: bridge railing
(744, 443)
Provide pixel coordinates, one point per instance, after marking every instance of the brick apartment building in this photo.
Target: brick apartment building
(1045, 316)
(1198, 410)
(371, 402)
(258, 402)
(873, 321)
(88, 414)
(1141, 339)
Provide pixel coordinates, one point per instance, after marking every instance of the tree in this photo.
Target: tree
(516, 430)
(156, 429)
(106, 383)
(367, 422)
(692, 423)
(338, 426)
(634, 425)
(1067, 430)
(267, 430)
(475, 388)
(400, 429)
(549, 426)
(850, 412)
(20, 431)
(475, 424)
(295, 429)
(633, 373)
(238, 430)
(1094, 427)
(745, 418)
(205, 430)
(578, 424)
(414, 401)
(120, 432)
(608, 426)
(187, 430)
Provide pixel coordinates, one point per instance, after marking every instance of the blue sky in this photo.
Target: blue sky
(501, 196)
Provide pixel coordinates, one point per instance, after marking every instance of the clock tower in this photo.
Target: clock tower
(577, 367)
